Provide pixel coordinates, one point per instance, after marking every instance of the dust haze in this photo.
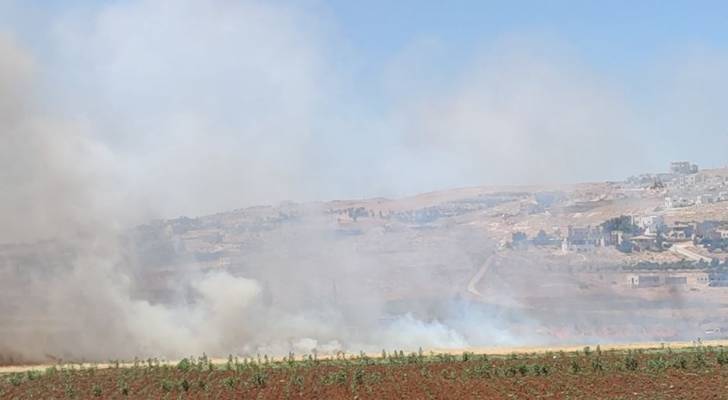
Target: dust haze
(174, 180)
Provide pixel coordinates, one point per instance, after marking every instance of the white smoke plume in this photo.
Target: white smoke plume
(128, 111)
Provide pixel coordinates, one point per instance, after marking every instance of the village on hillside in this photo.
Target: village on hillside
(621, 248)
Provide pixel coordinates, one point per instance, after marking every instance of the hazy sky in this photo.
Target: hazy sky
(201, 106)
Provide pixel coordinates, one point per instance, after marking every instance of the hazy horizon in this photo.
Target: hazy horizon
(260, 102)
(118, 112)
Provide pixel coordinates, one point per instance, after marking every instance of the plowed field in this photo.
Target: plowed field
(693, 373)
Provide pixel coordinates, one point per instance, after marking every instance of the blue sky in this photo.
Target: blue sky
(616, 36)
(330, 99)
(610, 33)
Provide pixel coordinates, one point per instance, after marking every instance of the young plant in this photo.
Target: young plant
(259, 379)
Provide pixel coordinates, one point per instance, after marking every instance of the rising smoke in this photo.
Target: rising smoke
(155, 109)
(71, 295)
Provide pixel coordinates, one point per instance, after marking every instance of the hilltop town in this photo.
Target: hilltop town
(677, 217)
(672, 217)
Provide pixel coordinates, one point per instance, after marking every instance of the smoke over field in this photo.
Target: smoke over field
(118, 119)
(75, 275)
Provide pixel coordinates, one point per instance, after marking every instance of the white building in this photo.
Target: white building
(722, 232)
(683, 167)
(651, 224)
(705, 199)
(671, 202)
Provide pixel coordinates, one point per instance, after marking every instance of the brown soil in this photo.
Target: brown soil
(698, 373)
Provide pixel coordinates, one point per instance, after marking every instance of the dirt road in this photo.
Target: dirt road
(685, 249)
(475, 280)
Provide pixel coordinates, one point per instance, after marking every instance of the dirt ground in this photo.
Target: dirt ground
(692, 372)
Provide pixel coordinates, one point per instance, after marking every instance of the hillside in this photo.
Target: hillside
(454, 268)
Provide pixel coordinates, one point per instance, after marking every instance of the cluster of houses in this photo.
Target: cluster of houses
(711, 279)
(631, 234)
(705, 198)
(682, 182)
(626, 233)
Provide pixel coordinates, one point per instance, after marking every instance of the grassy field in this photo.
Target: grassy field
(692, 372)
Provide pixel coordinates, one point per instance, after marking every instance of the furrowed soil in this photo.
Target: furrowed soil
(692, 373)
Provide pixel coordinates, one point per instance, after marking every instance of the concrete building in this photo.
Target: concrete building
(681, 231)
(615, 238)
(722, 233)
(660, 280)
(671, 202)
(676, 280)
(645, 281)
(707, 229)
(645, 243)
(582, 239)
(683, 167)
(690, 180)
(718, 279)
(706, 198)
(650, 224)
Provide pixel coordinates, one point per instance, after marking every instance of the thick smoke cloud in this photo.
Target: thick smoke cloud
(136, 110)
(71, 295)
(251, 103)
(74, 183)
(221, 97)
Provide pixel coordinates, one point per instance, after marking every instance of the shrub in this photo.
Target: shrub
(259, 379)
(699, 359)
(597, 365)
(338, 377)
(722, 357)
(123, 388)
(481, 370)
(449, 374)
(658, 364)
(298, 380)
(32, 375)
(680, 363)
(575, 367)
(167, 385)
(184, 365)
(68, 389)
(536, 368)
(630, 362)
(15, 379)
(358, 378)
(230, 382)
